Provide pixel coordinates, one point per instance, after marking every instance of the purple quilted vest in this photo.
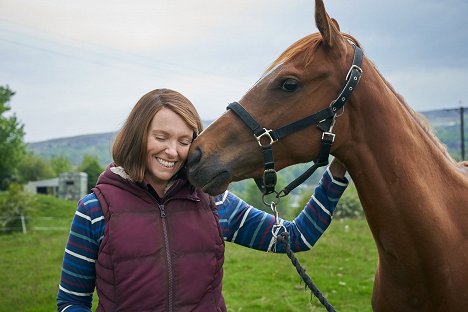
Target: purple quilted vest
(154, 256)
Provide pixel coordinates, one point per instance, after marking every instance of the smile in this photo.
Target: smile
(167, 164)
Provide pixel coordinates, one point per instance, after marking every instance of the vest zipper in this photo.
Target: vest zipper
(168, 256)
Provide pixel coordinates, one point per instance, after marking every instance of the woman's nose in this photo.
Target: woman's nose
(171, 148)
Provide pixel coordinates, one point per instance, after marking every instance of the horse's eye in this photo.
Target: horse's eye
(290, 85)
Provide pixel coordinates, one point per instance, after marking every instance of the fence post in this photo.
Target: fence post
(23, 224)
(462, 129)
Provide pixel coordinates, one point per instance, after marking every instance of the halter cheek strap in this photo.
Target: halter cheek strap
(324, 120)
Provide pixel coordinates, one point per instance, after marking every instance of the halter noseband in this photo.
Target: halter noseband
(324, 120)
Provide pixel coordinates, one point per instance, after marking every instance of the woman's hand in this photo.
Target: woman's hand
(337, 168)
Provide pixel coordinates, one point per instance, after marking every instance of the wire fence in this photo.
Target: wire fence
(27, 224)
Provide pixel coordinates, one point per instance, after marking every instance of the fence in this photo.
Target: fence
(450, 126)
(22, 224)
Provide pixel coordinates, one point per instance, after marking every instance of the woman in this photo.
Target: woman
(150, 241)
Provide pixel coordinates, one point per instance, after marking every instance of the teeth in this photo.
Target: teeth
(168, 164)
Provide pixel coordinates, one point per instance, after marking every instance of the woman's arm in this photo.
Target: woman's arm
(251, 227)
(78, 269)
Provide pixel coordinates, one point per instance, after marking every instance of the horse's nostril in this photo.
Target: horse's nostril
(194, 157)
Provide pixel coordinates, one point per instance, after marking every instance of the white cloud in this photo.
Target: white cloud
(144, 25)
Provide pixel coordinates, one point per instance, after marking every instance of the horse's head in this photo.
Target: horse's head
(305, 79)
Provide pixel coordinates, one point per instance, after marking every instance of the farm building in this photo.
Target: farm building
(69, 185)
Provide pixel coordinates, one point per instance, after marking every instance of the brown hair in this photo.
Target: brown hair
(129, 148)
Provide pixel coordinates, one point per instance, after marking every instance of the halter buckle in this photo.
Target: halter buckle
(354, 66)
(328, 136)
(266, 133)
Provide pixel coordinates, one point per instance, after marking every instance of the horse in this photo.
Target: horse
(414, 195)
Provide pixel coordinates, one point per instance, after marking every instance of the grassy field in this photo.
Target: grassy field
(342, 265)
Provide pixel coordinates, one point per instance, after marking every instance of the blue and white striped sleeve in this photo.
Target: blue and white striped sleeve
(245, 225)
(78, 275)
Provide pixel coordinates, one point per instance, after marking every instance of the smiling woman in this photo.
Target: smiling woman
(169, 122)
(168, 144)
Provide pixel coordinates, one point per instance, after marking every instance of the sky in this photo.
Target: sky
(78, 67)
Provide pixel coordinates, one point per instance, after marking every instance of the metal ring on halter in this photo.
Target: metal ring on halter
(339, 114)
(278, 197)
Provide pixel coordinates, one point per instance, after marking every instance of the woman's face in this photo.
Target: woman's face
(169, 139)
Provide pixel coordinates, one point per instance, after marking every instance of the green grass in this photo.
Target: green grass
(342, 265)
(30, 263)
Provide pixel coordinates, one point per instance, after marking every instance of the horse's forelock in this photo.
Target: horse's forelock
(307, 44)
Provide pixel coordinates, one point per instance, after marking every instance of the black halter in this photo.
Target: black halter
(324, 120)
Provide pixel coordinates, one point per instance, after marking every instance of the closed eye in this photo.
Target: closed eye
(185, 143)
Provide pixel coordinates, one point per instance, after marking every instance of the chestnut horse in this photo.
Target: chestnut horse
(415, 197)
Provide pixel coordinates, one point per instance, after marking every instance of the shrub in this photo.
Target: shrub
(349, 205)
(14, 204)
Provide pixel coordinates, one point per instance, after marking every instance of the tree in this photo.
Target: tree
(91, 166)
(60, 164)
(12, 147)
(34, 168)
(349, 205)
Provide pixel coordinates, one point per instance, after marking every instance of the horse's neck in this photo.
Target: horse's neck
(401, 175)
(389, 144)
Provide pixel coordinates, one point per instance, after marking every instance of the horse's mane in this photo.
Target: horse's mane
(417, 117)
(309, 44)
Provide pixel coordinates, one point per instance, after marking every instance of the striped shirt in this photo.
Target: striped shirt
(240, 223)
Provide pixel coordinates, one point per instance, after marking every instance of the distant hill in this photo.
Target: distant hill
(446, 124)
(74, 148)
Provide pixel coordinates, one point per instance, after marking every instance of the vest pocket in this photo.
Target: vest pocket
(141, 283)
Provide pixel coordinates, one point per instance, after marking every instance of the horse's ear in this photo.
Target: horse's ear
(328, 27)
(336, 23)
